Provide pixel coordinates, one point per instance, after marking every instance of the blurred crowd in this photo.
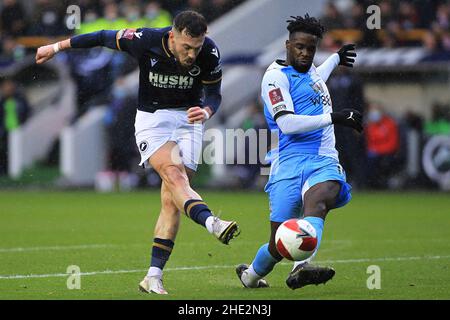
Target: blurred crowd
(49, 18)
(97, 72)
(403, 23)
(14, 111)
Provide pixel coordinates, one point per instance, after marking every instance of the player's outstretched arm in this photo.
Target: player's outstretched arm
(344, 57)
(327, 67)
(105, 38)
(47, 52)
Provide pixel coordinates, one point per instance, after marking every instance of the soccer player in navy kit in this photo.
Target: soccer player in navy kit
(179, 89)
(306, 177)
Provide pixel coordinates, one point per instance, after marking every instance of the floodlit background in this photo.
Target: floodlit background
(67, 138)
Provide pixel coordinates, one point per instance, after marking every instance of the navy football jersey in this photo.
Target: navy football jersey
(162, 83)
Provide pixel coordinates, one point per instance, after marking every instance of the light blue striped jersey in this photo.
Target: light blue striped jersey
(285, 90)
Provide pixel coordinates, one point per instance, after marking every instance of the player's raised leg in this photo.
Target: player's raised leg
(167, 162)
(318, 201)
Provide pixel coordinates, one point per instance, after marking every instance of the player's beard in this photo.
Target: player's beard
(183, 66)
(302, 66)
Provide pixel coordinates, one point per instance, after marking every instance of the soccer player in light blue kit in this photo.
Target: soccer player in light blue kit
(305, 174)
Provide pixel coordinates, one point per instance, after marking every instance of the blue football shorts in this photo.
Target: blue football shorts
(296, 176)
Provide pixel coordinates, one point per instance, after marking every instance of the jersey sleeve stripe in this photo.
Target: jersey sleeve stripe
(117, 40)
(212, 81)
(164, 47)
(281, 113)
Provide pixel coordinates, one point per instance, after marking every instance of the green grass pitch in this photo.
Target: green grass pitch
(109, 237)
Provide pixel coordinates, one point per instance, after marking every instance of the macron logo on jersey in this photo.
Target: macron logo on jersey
(153, 62)
(214, 52)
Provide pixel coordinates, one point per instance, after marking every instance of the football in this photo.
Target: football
(296, 239)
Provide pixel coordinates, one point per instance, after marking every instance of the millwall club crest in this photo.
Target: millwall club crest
(195, 71)
(143, 146)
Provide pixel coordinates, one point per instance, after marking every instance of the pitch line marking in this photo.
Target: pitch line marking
(34, 276)
(102, 246)
(52, 248)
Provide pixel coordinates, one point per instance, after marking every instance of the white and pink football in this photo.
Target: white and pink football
(296, 239)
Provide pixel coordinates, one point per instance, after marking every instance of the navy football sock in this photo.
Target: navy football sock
(197, 210)
(161, 250)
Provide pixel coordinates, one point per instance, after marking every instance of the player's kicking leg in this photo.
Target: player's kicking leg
(167, 162)
(167, 228)
(318, 201)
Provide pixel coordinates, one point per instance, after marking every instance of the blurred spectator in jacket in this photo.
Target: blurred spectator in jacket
(13, 18)
(110, 20)
(10, 52)
(122, 150)
(119, 121)
(14, 111)
(440, 120)
(132, 13)
(383, 144)
(155, 16)
(346, 89)
(48, 19)
(249, 172)
(332, 18)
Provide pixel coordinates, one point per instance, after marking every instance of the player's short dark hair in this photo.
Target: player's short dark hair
(193, 23)
(305, 24)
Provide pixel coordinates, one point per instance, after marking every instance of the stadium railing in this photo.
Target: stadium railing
(84, 149)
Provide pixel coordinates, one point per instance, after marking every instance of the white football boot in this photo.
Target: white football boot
(225, 230)
(152, 285)
(249, 281)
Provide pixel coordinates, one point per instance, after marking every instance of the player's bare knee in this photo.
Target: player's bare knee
(321, 207)
(316, 206)
(332, 189)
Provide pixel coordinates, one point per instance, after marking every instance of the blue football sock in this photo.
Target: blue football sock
(317, 223)
(264, 261)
